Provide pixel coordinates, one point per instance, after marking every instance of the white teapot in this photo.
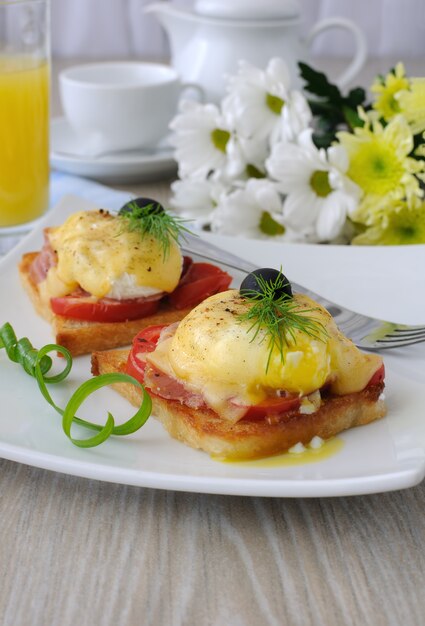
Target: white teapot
(207, 43)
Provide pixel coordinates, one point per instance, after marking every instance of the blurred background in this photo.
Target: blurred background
(395, 29)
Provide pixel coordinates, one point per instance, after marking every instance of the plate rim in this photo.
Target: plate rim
(252, 487)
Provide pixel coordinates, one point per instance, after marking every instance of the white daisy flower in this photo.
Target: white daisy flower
(252, 211)
(319, 195)
(295, 118)
(245, 159)
(207, 147)
(195, 199)
(256, 98)
(260, 104)
(201, 139)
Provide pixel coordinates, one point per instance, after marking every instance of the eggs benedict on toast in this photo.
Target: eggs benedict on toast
(252, 372)
(101, 277)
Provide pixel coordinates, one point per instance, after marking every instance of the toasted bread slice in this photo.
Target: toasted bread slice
(82, 337)
(204, 429)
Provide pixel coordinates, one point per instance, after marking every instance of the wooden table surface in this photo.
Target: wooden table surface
(87, 553)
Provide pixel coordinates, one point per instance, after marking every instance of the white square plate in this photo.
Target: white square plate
(386, 455)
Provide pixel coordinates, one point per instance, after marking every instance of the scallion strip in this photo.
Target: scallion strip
(37, 363)
(21, 351)
(88, 387)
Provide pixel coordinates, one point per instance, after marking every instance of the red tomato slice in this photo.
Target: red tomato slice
(200, 281)
(271, 406)
(187, 262)
(104, 310)
(378, 377)
(145, 341)
(135, 367)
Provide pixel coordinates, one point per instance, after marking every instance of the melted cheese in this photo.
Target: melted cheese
(217, 355)
(94, 251)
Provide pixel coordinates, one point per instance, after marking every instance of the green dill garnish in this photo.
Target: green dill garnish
(152, 220)
(279, 315)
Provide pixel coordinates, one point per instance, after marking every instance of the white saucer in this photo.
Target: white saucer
(119, 167)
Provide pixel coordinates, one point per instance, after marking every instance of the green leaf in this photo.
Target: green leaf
(321, 107)
(355, 97)
(352, 118)
(323, 140)
(318, 83)
(331, 110)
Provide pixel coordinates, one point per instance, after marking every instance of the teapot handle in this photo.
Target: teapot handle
(196, 88)
(360, 55)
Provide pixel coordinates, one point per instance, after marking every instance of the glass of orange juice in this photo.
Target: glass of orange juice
(24, 111)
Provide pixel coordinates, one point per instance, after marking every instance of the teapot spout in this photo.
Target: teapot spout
(178, 24)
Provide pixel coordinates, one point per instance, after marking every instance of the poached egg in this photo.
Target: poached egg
(219, 356)
(96, 253)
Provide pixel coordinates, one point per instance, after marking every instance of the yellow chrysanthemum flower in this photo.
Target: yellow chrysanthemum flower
(386, 90)
(401, 223)
(380, 165)
(411, 102)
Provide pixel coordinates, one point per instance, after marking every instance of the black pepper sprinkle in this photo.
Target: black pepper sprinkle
(142, 340)
(149, 269)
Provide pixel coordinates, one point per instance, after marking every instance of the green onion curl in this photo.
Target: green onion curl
(37, 363)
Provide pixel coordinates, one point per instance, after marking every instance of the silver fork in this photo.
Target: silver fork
(366, 332)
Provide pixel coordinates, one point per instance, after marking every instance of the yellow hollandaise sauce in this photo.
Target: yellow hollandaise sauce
(94, 250)
(217, 355)
(330, 448)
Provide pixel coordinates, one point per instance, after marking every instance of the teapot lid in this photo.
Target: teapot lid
(243, 10)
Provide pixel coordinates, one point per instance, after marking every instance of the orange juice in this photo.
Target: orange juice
(24, 139)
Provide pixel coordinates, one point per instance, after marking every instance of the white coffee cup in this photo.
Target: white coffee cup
(120, 105)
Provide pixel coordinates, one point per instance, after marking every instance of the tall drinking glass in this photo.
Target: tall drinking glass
(24, 111)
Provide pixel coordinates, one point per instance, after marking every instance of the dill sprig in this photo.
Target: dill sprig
(152, 220)
(281, 317)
